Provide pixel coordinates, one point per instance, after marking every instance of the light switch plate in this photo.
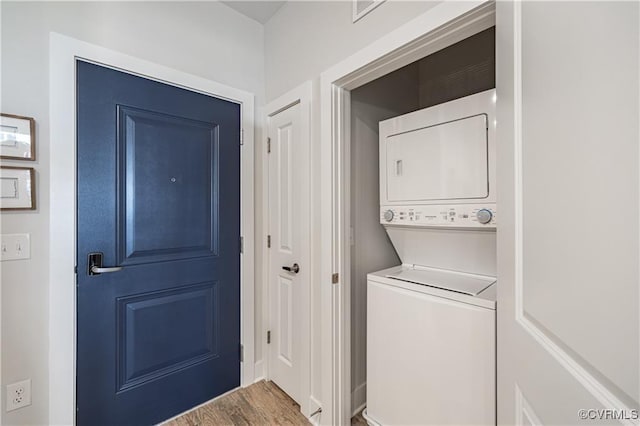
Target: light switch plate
(15, 247)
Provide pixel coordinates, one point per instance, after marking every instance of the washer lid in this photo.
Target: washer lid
(447, 280)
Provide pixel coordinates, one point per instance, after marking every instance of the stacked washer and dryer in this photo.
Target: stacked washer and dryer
(431, 357)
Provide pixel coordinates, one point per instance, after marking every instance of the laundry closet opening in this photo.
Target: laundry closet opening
(457, 71)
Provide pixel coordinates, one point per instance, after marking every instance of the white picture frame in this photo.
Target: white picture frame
(363, 7)
(17, 188)
(17, 137)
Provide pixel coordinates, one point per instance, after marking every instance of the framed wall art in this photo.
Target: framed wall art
(17, 188)
(17, 137)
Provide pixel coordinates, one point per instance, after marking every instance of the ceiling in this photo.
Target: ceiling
(260, 11)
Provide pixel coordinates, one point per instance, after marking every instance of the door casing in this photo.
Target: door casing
(301, 95)
(62, 235)
(439, 27)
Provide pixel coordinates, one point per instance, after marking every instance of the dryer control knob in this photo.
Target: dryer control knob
(484, 216)
(388, 215)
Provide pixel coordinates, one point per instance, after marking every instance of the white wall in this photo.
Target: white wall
(302, 40)
(206, 39)
(371, 249)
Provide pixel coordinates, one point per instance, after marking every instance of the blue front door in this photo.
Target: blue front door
(159, 196)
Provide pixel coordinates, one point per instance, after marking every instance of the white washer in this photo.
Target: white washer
(430, 348)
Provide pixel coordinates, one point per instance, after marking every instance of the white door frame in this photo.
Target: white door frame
(441, 26)
(63, 53)
(303, 96)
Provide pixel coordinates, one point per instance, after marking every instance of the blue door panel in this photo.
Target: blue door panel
(159, 194)
(170, 165)
(162, 332)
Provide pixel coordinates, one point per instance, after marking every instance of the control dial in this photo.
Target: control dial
(388, 215)
(484, 216)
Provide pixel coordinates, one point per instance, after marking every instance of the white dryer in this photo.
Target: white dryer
(430, 330)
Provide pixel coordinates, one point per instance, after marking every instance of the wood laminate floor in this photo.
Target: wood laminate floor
(262, 403)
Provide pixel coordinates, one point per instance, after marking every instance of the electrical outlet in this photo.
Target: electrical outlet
(18, 395)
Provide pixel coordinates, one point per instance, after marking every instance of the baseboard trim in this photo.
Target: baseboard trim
(259, 371)
(369, 420)
(314, 405)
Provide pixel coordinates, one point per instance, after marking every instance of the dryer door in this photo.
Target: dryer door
(447, 161)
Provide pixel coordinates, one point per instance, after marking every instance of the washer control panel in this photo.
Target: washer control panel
(449, 216)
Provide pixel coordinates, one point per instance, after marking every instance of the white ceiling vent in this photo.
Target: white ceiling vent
(362, 7)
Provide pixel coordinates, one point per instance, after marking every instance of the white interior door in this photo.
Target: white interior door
(289, 266)
(568, 258)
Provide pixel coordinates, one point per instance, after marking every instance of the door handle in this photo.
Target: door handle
(96, 270)
(295, 268)
(95, 265)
